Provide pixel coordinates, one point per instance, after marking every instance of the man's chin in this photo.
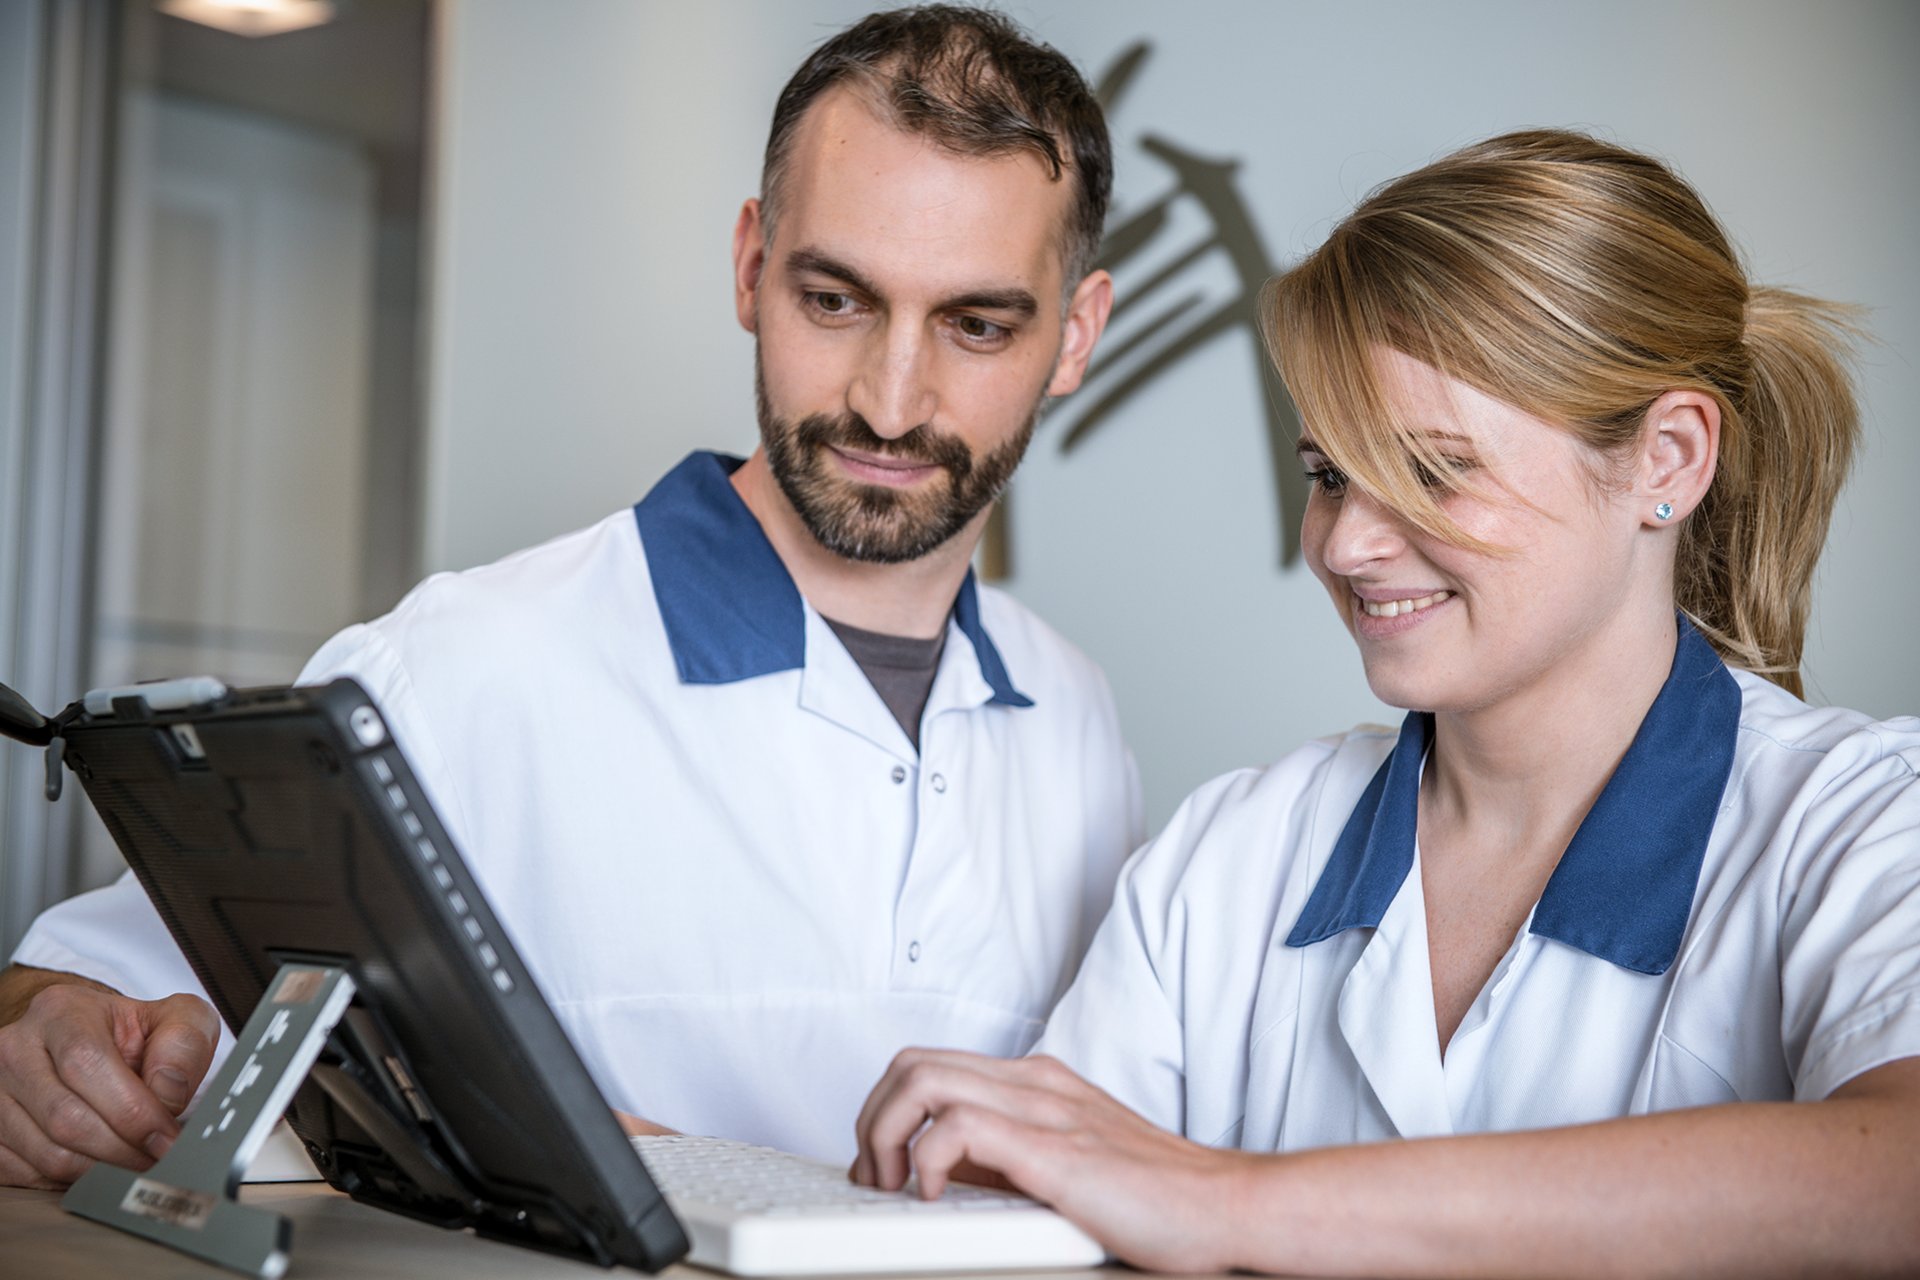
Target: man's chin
(879, 546)
(893, 537)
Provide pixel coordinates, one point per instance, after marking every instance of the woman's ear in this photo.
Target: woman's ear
(1679, 449)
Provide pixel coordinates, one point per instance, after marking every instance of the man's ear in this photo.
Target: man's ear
(1087, 313)
(1679, 450)
(749, 260)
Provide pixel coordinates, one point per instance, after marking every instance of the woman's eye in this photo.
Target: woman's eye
(1446, 477)
(1327, 480)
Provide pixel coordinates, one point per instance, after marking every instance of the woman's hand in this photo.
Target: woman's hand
(1153, 1199)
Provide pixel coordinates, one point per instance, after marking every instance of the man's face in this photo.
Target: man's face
(909, 318)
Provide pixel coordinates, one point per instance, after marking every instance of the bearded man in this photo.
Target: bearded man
(755, 773)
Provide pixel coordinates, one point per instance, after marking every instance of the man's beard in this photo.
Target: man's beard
(873, 523)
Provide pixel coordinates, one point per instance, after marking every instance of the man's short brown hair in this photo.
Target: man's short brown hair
(973, 82)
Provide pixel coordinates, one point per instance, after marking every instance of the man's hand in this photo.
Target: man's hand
(88, 1074)
(635, 1127)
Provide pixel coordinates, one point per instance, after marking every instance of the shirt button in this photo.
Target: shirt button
(913, 952)
(938, 782)
(899, 774)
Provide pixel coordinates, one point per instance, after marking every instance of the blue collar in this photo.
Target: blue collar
(1624, 888)
(730, 607)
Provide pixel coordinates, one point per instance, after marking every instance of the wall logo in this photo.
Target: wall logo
(1169, 259)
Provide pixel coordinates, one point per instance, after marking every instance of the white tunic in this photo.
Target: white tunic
(730, 872)
(1737, 919)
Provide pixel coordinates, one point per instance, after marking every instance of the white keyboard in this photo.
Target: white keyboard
(756, 1211)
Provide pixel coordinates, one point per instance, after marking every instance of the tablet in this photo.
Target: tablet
(283, 826)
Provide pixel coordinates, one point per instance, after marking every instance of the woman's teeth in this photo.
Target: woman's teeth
(1394, 608)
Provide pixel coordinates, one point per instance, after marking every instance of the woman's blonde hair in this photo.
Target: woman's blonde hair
(1579, 281)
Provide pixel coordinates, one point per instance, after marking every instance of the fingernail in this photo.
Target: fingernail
(171, 1088)
(157, 1144)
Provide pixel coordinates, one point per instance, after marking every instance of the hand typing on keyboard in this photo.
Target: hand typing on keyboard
(755, 1211)
(1145, 1193)
(760, 1179)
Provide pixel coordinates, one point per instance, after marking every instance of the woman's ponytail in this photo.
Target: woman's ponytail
(1745, 566)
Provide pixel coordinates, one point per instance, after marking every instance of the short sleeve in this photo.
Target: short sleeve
(1121, 1024)
(1137, 1057)
(1850, 973)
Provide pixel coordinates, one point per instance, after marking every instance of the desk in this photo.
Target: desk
(333, 1239)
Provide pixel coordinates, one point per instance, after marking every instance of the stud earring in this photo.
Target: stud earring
(1664, 511)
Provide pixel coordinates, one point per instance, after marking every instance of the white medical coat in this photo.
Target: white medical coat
(731, 874)
(1738, 919)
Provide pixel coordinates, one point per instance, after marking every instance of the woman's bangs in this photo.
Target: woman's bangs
(1327, 323)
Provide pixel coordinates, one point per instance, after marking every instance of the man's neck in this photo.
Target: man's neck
(910, 599)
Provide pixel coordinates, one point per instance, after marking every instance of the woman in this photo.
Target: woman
(1611, 896)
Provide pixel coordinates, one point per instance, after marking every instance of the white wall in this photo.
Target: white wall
(593, 156)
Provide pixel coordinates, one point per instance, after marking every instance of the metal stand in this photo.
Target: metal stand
(186, 1200)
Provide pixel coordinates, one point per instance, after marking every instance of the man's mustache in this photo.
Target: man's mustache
(921, 446)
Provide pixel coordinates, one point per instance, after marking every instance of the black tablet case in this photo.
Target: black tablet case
(285, 824)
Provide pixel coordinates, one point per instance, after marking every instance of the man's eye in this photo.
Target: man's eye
(832, 304)
(981, 332)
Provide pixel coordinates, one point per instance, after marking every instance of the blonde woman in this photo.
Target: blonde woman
(1609, 960)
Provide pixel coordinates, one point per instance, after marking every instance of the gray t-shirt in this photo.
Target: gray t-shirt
(900, 669)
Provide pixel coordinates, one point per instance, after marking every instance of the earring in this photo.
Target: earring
(1664, 511)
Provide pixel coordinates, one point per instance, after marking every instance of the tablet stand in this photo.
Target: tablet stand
(186, 1200)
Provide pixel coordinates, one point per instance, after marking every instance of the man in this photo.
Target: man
(764, 786)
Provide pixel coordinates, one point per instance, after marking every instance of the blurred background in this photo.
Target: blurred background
(301, 300)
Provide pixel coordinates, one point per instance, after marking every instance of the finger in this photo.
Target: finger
(977, 1175)
(865, 1169)
(16, 1172)
(637, 1127)
(49, 1163)
(89, 1100)
(969, 1136)
(926, 1088)
(181, 1034)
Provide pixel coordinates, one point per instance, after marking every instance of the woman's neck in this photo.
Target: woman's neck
(1533, 762)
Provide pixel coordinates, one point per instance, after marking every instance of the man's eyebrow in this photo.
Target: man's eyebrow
(805, 261)
(811, 261)
(1017, 301)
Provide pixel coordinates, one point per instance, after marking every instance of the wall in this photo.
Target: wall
(593, 156)
(22, 879)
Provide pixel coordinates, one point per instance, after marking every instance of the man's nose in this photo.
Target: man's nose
(1364, 532)
(893, 388)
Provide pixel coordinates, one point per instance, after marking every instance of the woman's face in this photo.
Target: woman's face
(1450, 630)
